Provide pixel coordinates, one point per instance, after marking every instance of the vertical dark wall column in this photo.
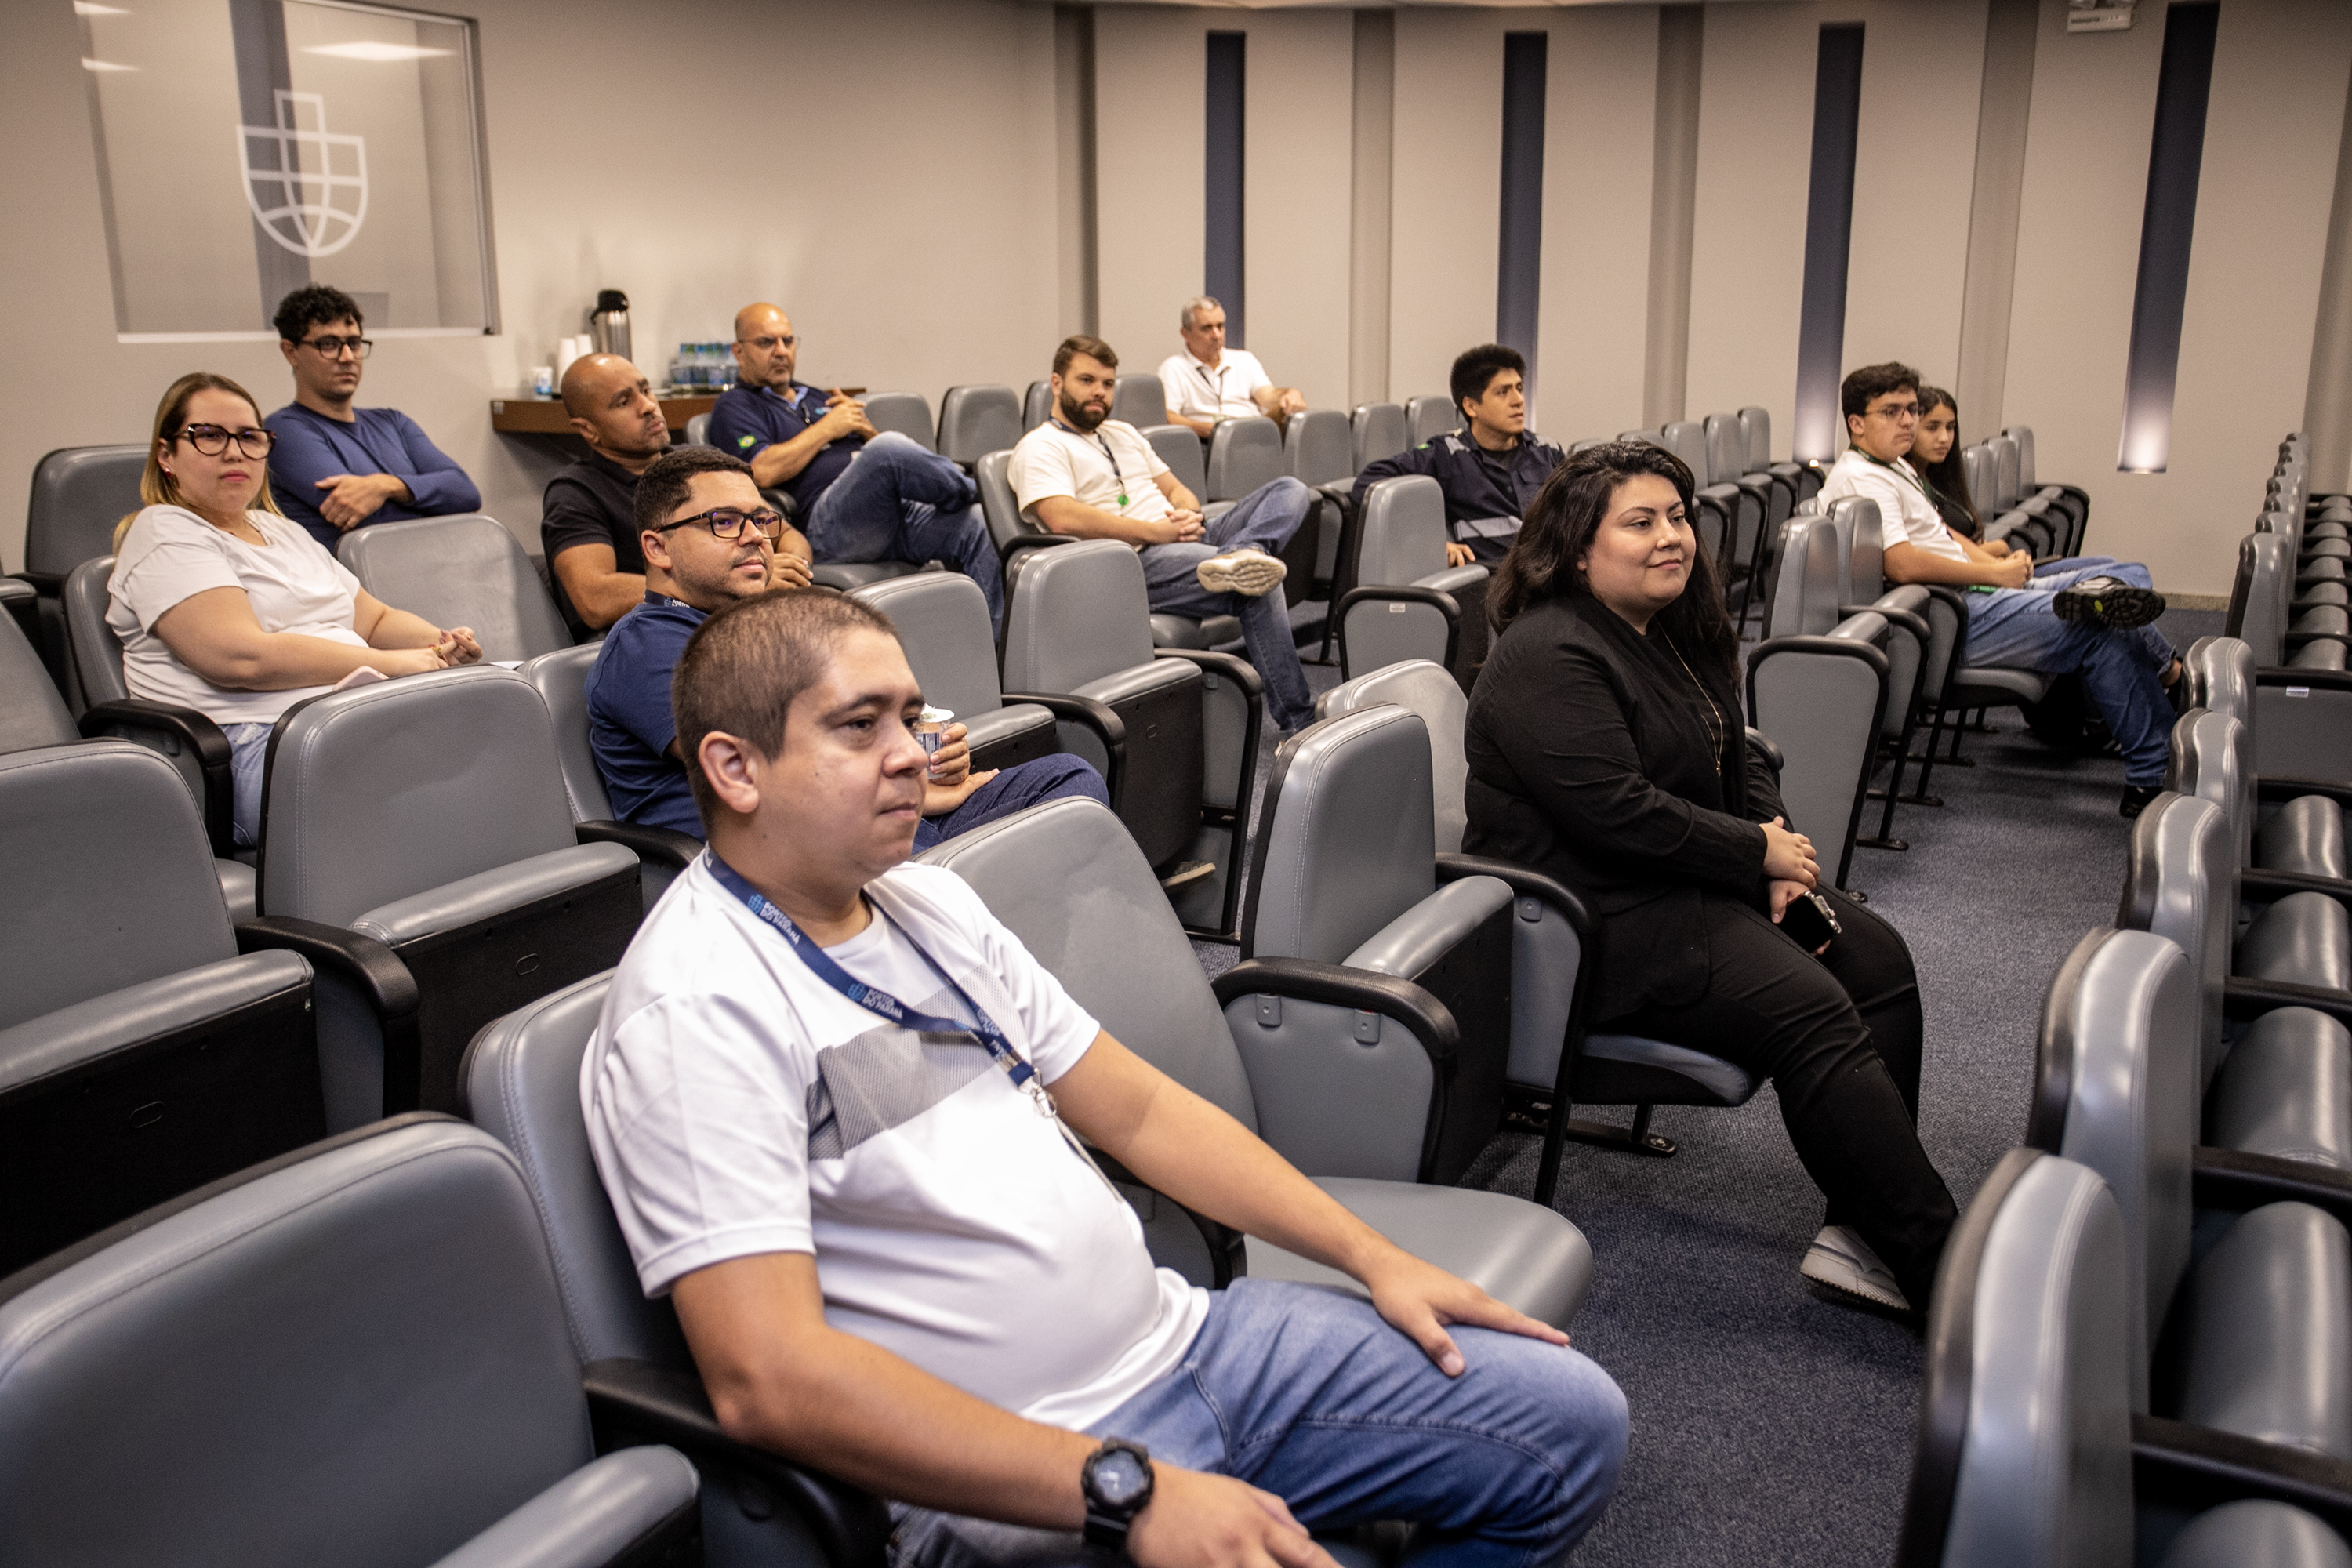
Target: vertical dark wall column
(1222, 265)
(1518, 274)
(1829, 234)
(1081, 297)
(1674, 209)
(257, 28)
(2176, 155)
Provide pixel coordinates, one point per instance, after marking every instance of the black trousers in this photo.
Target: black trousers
(1839, 1037)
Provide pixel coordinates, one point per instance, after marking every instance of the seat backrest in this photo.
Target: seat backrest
(1976, 467)
(2024, 1452)
(1139, 399)
(385, 791)
(2115, 1088)
(1805, 593)
(459, 572)
(1726, 449)
(353, 1355)
(2208, 760)
(1378, 430)
(1428, 417)
(80, 493)
(998, 505)
(521, 1080)
(109, 877)
(1079, 612)
(1402, 536)
(907, 412)
(2024, 435)
(1863, 542)
(697, 430)
(1243, 455)
(1345, 841)
(1068, 881)
(1687, 441)
(2005, 466)
(561, 678)
(97, 651)
(1649, 436)
(1318, 447)
(2180, 883)
(1181, 450)
(31, 711)
(942, 621)
(1037, 405)
(2261, 597)
(977, 420)
(1427, 690)
(1758, 424)
(2221, 675)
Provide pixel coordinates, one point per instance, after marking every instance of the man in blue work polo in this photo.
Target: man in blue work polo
(862, 496)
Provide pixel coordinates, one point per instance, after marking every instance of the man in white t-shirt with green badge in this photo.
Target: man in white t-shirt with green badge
(1086, 474)
(818, 1098)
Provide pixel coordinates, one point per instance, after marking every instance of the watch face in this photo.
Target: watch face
(1119, 1478)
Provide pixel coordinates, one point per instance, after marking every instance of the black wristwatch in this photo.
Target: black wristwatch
(1116, 1480)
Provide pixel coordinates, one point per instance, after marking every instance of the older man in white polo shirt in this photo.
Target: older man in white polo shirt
(1209, 383)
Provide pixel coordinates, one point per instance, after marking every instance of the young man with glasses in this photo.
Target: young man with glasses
(338, 468)
(711, 539)
(861, 495)
(2087, 615)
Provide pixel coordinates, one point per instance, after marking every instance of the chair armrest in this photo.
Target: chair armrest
(1228, 1247)
(1240, 672)
(2234, 1181)
(1412, 594)
(1911, 621)
(1525, 883)
(2243, 998)
(2282, 786)
(2262, 887)
(1454, 579)
(371, 969)
(1430, 1021)
(1107, 726)
(783, 502)
(656, 846)
(2312, 679)
(632, 1402)
(1021, 542)
(2193, 1468)
(640, 1505)
(202, 740)
(1757, 741)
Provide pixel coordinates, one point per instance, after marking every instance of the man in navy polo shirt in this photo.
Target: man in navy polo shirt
(684, 501)
(862, 496)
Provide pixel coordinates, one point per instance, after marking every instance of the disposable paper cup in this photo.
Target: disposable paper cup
(931, 728)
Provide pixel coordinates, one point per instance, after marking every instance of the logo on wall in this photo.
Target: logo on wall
(308, 187)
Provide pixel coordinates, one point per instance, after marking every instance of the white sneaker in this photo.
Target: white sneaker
(1842, 1260)
(1248, 573)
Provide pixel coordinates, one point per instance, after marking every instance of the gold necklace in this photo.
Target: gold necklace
(1713, 714)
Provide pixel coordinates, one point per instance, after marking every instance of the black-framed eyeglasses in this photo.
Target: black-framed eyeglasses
(212, 441)
(332, 347)
(1898, 411)
(769, 345)
(727, 523)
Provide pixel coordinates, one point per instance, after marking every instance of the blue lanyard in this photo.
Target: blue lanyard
(881, 1003)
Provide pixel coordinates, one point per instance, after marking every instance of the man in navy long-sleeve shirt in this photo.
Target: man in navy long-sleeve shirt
(337, 467)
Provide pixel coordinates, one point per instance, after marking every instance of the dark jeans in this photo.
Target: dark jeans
(899, 501)
(1265, 518)
(1840, 1037)
(1017, 788)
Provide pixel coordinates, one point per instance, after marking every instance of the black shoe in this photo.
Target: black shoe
(2136, 799)
(2107, 602)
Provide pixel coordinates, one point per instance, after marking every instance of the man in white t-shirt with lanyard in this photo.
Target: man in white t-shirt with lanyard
(818, 1098)
(1086, 474)
(1209, 384)
(2090, 616)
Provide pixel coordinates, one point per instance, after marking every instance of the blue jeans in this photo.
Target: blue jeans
(1017, 788)
(2122, 671)
(1309, 1395)
(897, 501)
(248, 754)
(1265, 518)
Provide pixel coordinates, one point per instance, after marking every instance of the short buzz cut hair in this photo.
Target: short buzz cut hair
(1475, 371)
(1094, 348)
(1193, 307)
(747, 665)
(668, 480)
(314, 305)
(1871, 381)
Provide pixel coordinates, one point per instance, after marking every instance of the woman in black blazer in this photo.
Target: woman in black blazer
(1607, 747)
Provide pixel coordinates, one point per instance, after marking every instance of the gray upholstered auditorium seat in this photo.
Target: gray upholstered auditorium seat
(977, 420)
(1552, 1060)
(1686, 439)
(1320, 1061)
(1002, 512)
(1037, 405)
(1139, 399)
(428, 816)
(1189, 465)
(1181, 450)
(141, 1054)
(907, 412)
(2071, 501)
(1754, 503)
(459, 572)
(1173, 732)
(1405, 602)
(1428, 417)
(1319, 451)
(1243, 454)
(2278, 1084)
(561, 678)
(2238, 1309)
(2004, 452)
(1911, 640)
(1378, 430)
(1756, 425)
(1818, 686)
(80, 493)
(943, 624)
(2303, 693)
(2285, 826)
(522, 1086)
(22, 602)
(355, 1354)
(697, 430)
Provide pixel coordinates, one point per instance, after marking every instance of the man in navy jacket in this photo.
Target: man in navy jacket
(1491, 468)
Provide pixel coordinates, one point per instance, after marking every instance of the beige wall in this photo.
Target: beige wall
(1449, 142)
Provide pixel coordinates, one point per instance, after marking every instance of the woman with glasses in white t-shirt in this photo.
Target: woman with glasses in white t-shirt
(225, 607)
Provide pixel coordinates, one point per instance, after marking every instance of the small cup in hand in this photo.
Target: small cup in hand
(931, 729)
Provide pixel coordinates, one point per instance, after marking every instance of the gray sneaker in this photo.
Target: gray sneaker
(1842, 1260)
(1248, 573)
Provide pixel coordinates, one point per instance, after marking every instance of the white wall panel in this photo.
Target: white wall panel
(1150, 73)
(1449, 149)
(1298, 172)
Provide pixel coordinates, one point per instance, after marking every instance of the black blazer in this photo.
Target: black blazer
(1592, 758)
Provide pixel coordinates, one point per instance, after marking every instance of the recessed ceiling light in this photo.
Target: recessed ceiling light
(91, 65)
(90, 8)
(370, 49)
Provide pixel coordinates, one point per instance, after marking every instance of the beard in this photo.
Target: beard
(1080, 418)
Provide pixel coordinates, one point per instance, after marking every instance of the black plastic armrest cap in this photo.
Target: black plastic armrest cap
(1524, 882)
(1240, 672)
(391, 988)
(1305, 980)
(653, 845)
